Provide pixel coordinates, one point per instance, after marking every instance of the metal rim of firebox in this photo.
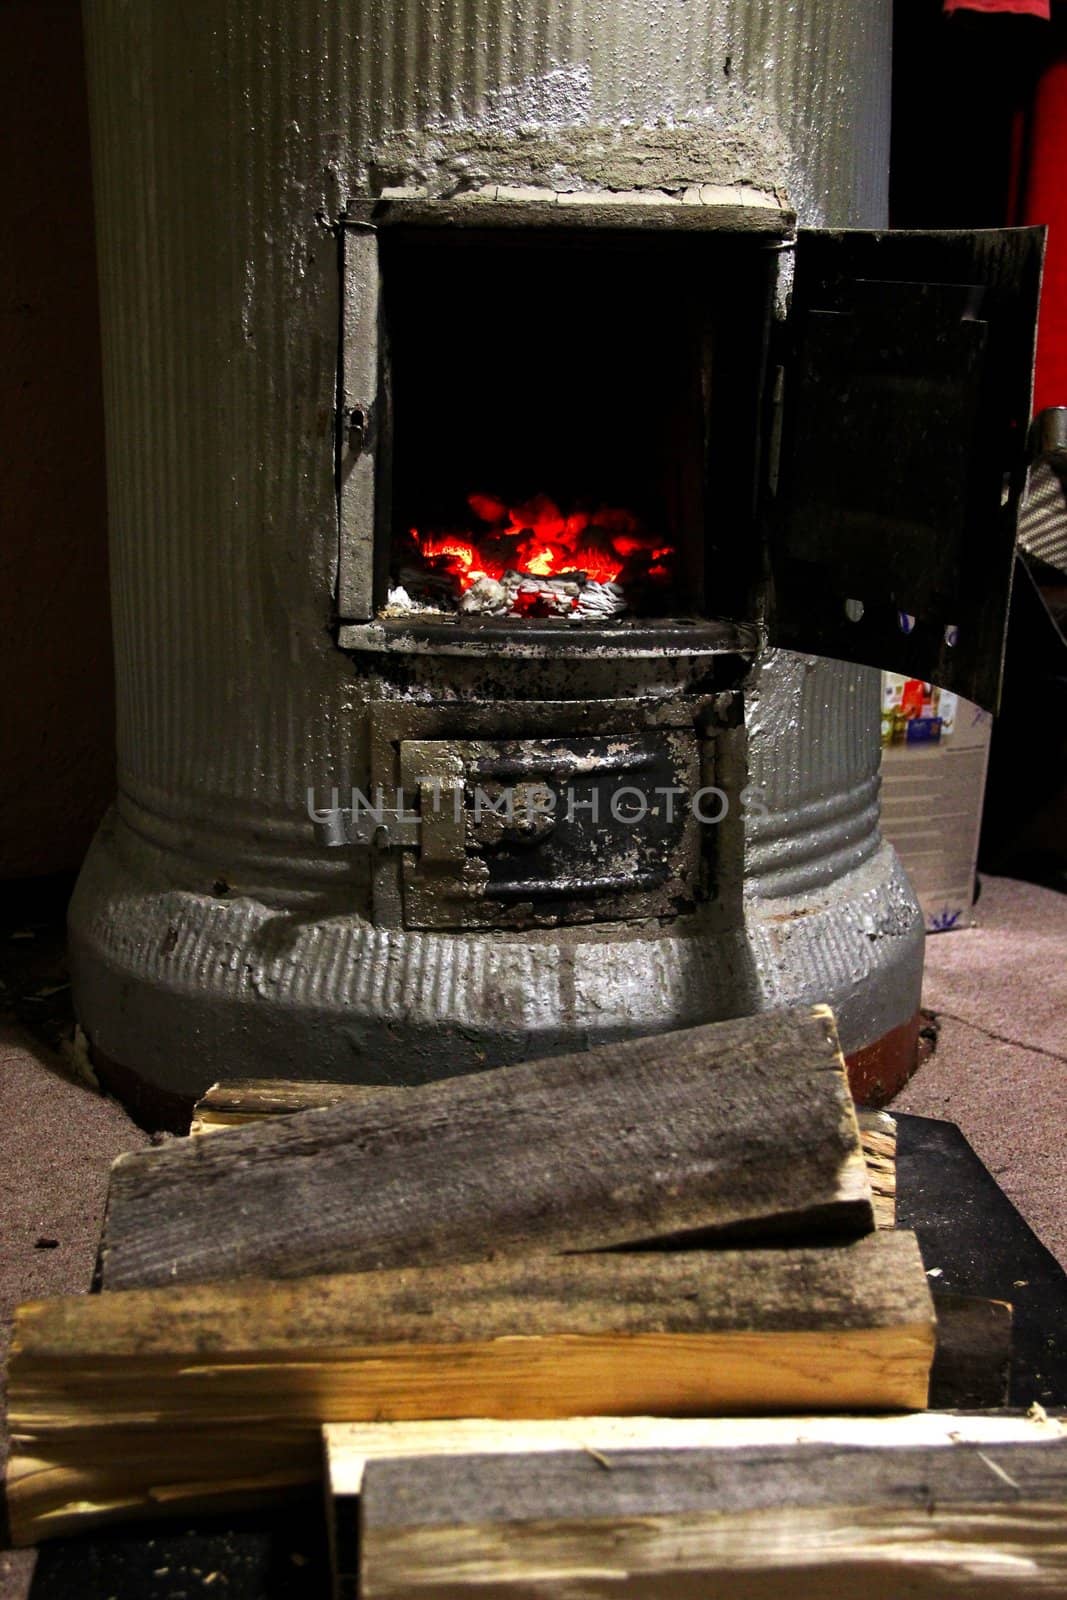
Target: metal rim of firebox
(718, 208)
(560, 640)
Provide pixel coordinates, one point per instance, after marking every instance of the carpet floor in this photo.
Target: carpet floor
(999, 991)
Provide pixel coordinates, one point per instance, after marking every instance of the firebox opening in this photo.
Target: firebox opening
(565, 413)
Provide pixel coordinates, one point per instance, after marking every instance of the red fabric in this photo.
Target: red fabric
(1044, 199)
(1024, 8)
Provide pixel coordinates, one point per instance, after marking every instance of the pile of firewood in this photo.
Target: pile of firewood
(587, 1257)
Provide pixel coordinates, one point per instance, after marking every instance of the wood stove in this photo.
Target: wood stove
(531, 456)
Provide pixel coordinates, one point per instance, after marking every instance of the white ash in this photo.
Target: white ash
(601, 600)
(398, 603)
(572, 596)
(487, 596)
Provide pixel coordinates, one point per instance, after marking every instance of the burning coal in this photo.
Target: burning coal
(533, 560)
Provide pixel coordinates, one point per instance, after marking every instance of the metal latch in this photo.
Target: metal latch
(431, 779)
(432, 770)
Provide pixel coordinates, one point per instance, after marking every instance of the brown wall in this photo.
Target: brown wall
(56, 698)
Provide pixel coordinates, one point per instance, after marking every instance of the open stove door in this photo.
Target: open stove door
(902, 405)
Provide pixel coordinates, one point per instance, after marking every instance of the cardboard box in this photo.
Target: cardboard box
(935, 748)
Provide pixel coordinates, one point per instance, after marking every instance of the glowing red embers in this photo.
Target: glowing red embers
(536, 540)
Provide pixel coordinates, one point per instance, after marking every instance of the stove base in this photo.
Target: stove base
(177, 990)
(880, 1070)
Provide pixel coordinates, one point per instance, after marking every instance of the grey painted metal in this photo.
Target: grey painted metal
(210, 934)
(1043, 519)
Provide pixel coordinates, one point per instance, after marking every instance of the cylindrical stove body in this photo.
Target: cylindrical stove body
(211, 935)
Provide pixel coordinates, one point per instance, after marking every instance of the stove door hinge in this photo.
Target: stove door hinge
(369, 821)
(355, 427)
(432, 779)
